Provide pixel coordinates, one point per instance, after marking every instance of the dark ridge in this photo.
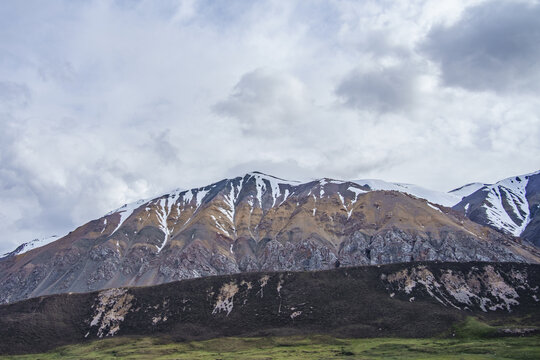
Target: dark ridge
(368, 301)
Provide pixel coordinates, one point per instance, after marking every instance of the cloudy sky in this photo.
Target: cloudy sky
(106, 102)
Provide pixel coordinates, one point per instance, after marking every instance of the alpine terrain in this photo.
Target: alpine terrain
(258, 222)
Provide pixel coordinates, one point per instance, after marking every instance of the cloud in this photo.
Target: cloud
(107, 102)
(13, 95)
(494, 46)
(389, 89)
(265, 102)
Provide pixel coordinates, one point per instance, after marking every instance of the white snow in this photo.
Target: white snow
(514, 190)
(33, 244)
(163, 211)
(219, 226)
(261, 181)
(188, 196)
(200, 196)
(285, 196)
(274, 186)
(466, 190)
(125, 212)
(433, 196)
(356, 193)
(104, 225)
(230, 200)
(260, 186)
(322, 182)
(434, 207)
(342, 201)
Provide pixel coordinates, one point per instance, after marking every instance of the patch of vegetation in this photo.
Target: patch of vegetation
(472, 328)
(302, 347)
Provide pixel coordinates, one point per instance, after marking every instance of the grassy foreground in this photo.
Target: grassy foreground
(471, 340)
(312, 347)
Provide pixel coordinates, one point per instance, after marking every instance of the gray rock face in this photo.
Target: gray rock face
(104, 267)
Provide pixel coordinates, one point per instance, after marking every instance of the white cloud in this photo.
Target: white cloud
(106, 102)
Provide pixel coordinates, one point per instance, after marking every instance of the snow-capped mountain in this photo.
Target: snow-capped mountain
(32, 244)
(448, 199)
(251, 223)
(510, 205)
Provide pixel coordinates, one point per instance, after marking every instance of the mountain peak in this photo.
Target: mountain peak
(268, 176)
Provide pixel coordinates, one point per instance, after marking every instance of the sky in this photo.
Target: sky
(107, 102)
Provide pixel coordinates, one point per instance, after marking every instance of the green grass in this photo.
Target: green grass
(471, 340)
(472, 328)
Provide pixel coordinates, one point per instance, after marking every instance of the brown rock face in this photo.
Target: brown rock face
(252, 223)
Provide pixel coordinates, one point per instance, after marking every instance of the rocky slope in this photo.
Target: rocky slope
(404, 300)
(511, 205)
(250, 223)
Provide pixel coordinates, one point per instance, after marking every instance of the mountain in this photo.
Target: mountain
(254, 222)
(397, 300)
(511, 205)
(435, 197)
(27, 246)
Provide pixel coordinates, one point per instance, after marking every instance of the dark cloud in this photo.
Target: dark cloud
(494, 46)
(387, 90)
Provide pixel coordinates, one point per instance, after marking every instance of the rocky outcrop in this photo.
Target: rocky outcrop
(479, 287)
(252, 223)
(411, 299)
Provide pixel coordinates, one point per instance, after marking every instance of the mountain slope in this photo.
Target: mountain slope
(406, 300)
(510, 205)
(251, 223)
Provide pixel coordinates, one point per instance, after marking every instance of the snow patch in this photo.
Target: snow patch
(163, 211)
(511, 191)
(434, 207)
(433, 196)
(125, 212)
(33, 244)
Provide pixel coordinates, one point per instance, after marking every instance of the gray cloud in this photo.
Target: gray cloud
(265, 102)
(389, 89)
(494, 46)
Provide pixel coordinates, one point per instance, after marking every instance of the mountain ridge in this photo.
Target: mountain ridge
(250, 223)
(452, 198)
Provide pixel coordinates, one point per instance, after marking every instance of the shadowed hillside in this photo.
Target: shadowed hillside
(404, 300)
